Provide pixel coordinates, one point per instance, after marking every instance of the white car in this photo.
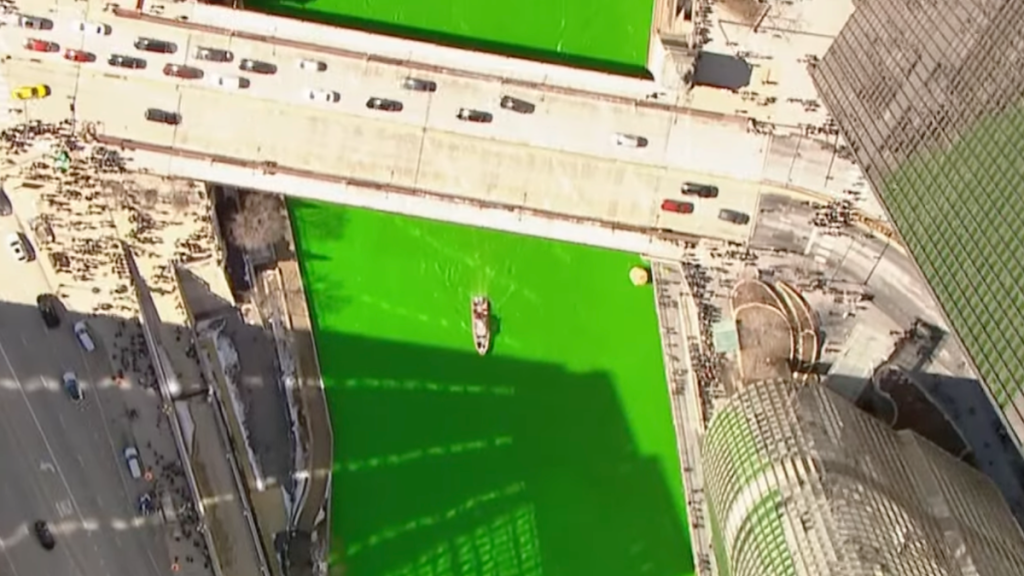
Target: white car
(629, 140)
(16, 244)
(83, 336)
(316, 95)
(228, 82)
(91, 28)
(312, 65)
(131, 459)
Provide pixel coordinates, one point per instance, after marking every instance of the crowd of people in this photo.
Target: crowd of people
(706, 362)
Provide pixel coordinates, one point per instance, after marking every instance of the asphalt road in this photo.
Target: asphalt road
(60, 459)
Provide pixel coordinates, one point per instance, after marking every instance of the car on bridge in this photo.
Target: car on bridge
(517, 105)
(471, 115)
(320, 95)
(154, 45)
(214, 54)
(257, 66)
(37, 45)
(72, 387)
(163, 116)
(384, 105)
(311, 65)
(230, 82)
(677, 206)
(79, 55)
(629, 140)
(699, 190)
(35, 22)
(130, 62)
(31, 92)
(184, 72)
(419, 85)
(734, 216)
(97, 28)
(43, 534)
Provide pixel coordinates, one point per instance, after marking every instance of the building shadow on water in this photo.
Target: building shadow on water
(465, 464)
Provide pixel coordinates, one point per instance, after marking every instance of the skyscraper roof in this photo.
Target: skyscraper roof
(801, 482)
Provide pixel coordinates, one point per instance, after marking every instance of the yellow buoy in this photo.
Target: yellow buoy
(639, 276)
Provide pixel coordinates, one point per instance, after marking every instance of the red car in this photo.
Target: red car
(186, 72)
(78, 55)
(37, 45)
(677, 206)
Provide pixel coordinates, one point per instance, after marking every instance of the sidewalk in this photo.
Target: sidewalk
(314, 403)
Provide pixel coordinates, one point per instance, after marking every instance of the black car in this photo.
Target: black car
(734, 216)
(699, 190)
(122, 61)
(44, 535)
(35, 22)
(470, 115)
(163, 116)
(257, 66)
(214, 54)
(384, 104)
(185, 72)
(419, 85)
(517, 105)
(154, 45)
(49, 308)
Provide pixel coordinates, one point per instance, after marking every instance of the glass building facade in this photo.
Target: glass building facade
(930, 96)
(800, 482)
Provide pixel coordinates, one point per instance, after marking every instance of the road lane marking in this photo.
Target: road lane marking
(39, 428)
(45, 466)
(65, 508)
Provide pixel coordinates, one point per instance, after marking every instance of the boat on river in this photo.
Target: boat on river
(481, 324)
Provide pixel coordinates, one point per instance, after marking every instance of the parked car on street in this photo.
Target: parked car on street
(154, 45)
(257, 66)
(214, 54)
(72, 387)
(677, 206)
(35, 22)
(734, 216)
(37, 45)
(163, 116)
(321, 95)
(699, 190)
(184, 72)
(130, 62)
(310, 65)
(384, 104)
(79, 55)
(517, 105)
(629, 140)
(43, 535)
(31, 92)
(470, 115)
(419, 85)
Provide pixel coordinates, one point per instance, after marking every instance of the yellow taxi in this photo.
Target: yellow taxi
(31, 92)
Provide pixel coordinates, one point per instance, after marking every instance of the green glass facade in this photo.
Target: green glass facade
(930, 96)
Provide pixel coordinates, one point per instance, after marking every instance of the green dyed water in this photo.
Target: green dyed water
(611, 36)
(554, 455)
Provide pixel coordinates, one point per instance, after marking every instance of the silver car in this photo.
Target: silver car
(214, 54)
(419, 85)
